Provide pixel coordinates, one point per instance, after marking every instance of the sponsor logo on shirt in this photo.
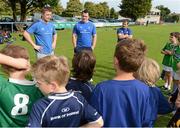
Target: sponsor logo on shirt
(66, 109)
(64, 115)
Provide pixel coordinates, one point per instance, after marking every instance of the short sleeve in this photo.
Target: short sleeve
(120, 31)
(94, 30)
(35, 116)
(89, 113)
(117, 31)
(163, 106)
(165, 47)
(32, 28)
(2, 83)
(95, 100)
(130, 31)
(54, 30)
(75, 29)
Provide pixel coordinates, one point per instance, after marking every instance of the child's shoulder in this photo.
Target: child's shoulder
(3, 81)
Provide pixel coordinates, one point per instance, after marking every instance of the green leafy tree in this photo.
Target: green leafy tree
(74, 8)
(164, 11)
(12, 4)
(4, 8)
(113, 13)
(99, 11)
(28, 6)
(58, 9)
(90, 6)
(175, 18)
(105, 9)
(135, 8)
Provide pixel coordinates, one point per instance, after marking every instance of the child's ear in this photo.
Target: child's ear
(53, 86)
(116, 61)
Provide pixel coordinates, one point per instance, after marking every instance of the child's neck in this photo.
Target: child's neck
(121, 75)
(18, 75)
(60, 90)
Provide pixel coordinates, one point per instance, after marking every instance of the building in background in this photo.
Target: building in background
(152, 17)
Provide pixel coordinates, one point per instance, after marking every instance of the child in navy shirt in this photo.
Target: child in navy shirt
(61, 108)
(83, 65)
(149, 73)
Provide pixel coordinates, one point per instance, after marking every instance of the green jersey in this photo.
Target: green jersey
(16, 99)
(168, 59)
(176, 57)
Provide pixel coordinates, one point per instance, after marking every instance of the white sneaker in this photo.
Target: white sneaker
(169, 87)
(166, 85)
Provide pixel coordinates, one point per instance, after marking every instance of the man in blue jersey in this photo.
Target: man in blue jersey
(44, 33)
(124, 32)
(61, 108)
(84, 34)
(124, 101)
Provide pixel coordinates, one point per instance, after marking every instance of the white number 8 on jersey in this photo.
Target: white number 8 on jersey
(20, 101)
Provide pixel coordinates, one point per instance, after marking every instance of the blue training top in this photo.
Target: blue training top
(43, 33)
(122, 103)
(84, 32)
(68, 109)
(159, 104)
(84, 87)
(124, 31)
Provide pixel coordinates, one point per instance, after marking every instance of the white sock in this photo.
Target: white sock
(166, 85)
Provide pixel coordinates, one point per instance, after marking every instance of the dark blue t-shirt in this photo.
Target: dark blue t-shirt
(122, 103)
(124, 31)
(84, 32)
(62, 110)
(158, 103)
(85, 88)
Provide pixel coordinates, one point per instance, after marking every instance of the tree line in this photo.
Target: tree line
(133, 9)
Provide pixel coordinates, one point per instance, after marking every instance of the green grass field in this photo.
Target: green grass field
(155, 37)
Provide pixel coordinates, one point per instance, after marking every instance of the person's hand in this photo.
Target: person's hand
(53, 46)
(126, 36)
(37, 47)
(178, 101)
(168, 52)
(21, 63)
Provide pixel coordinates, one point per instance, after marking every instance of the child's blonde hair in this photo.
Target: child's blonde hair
(52, 68)
(149, 72)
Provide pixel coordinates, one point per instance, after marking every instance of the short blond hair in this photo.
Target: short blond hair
(52, 68)
(148, 72)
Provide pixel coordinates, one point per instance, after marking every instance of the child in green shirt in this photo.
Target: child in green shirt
(167, 62)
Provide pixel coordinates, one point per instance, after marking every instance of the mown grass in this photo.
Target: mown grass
(155, 37)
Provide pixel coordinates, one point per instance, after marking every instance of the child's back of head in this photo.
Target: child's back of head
(14, 51)
(130, 54)
(17, 93)
(83, 65)
(148, 72)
